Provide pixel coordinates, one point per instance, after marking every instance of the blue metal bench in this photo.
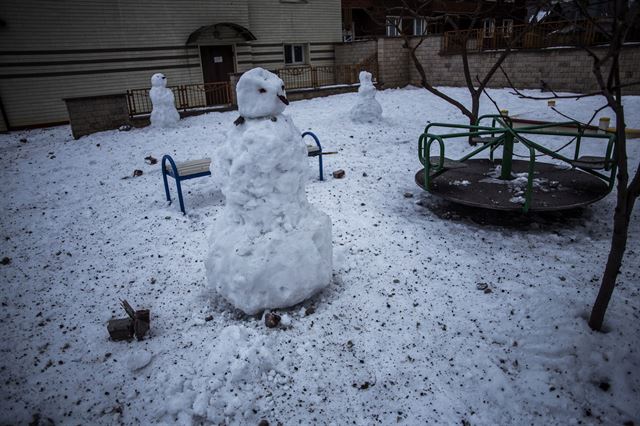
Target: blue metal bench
(183, 171)
(317, 152)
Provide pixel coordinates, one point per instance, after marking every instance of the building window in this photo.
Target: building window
(488, 27)
(294, 54)
(507, 27)
(394, 26)
(419, 26)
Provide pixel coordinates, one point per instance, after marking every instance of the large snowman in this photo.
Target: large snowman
(269, 248)
(164, 113)
(367, 109)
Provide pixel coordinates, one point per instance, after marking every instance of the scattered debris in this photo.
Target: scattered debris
(150, 160)
(482, 286)
(23, 140)
(604, 386)
(209, 318)
(363, 386)
(309, 311)
(120, 329)
(408, 195)
(263, 422)
(5, 260)
(137, 324)
(125, 127)
(271, 320)
(338, 174)
(137, 172)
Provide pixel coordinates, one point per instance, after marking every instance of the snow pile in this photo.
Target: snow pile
(269, 247)
(164, 113)
(367, 109)
(225, 388)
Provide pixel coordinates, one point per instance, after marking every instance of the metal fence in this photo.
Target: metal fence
(310, 77)
(190, 96)
(535, 36)
(187, 96)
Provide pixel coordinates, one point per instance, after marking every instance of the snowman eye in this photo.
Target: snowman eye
(262, 90)
(283, 87)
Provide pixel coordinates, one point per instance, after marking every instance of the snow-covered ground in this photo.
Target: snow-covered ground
(403, 334)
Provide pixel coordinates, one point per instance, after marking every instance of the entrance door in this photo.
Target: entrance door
(217, 64)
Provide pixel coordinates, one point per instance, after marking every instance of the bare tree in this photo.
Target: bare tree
(624, 17)
(606, 70)
(419, 9)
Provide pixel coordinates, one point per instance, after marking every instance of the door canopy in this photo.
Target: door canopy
(220, 31)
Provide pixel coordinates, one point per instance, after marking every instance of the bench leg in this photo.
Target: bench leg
(166, 186)
(180, 195)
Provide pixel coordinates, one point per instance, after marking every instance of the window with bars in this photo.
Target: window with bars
(507, 27)
(419, 26)
(394, 26)
(488, 27)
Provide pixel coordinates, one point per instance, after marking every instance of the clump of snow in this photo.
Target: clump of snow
(260, 94)
(367, 109)
(269, 247)
(463, 182)
(164, 113)
(518, 185)
(224, 389)
(138, 360)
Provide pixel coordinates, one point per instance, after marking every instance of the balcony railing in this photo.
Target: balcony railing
(535, 36)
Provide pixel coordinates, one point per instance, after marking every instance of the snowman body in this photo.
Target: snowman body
(269, 248)
(367, 109)
(164, 113)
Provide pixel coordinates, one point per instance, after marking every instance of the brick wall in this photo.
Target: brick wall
(354, 53)
(562, 69)
(93, 114)
(393, 63)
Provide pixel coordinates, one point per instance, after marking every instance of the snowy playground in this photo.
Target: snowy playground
(431, 317)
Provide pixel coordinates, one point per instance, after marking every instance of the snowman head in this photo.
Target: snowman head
(158, 80)
(260, 94)
(365, 78)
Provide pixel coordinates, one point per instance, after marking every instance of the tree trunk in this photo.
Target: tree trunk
(614, 262)
(475, 111)
(621, 218)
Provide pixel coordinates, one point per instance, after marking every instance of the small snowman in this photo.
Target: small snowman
(164, 113)
(269, 248)
(367, 109)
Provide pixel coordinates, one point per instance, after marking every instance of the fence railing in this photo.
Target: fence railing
(190, 96)
(312, 77)
(534, 36)
(187, 96)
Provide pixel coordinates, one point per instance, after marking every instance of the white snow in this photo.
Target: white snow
(164, 113)
(269, 248)
(367, 109)
(402, 335)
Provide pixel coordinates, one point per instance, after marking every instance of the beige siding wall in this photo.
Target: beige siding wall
(50, 50)
(97, 24)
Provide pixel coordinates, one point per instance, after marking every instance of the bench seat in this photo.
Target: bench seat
(192, 167)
